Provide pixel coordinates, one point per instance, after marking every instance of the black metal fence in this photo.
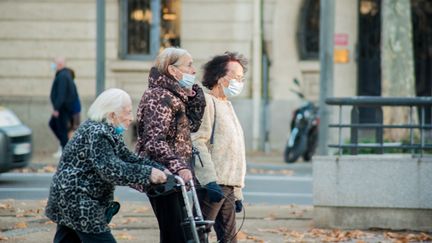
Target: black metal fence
(423, 104)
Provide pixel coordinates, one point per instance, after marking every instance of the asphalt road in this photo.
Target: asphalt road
(260, 188)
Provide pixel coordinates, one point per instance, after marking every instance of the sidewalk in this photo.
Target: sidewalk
(24, 221)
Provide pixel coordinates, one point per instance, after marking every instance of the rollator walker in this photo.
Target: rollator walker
(195, 228)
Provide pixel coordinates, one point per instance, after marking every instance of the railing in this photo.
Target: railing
(422, 103)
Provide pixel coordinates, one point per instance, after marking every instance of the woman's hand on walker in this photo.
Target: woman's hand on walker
(157, 176)
(185, 174)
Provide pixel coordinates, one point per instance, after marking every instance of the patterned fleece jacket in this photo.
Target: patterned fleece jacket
(165, 118)
(93, 162)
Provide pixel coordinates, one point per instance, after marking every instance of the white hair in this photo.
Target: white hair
(111, 100)
(169, 56)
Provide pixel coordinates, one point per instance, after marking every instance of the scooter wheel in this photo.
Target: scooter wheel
(311, 145)
(291, 154)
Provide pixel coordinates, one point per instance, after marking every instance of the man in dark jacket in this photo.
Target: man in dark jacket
(63, 95)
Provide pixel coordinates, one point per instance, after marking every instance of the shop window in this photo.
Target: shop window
(148, 26)
(308, 30)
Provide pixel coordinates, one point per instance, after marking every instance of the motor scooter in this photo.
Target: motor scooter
(303, 138)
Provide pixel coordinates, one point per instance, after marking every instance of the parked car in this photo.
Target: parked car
(15, 141)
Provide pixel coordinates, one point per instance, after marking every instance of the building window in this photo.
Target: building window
(308, 30)
(170, 23)
(147, 26)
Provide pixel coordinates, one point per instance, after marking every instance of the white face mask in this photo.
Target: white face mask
(53, 67)
(187, 81)
(234, 88)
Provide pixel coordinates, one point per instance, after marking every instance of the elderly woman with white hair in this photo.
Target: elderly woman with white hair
(170, 109)
(94, 161)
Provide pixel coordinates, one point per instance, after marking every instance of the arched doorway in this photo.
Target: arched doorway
(308, 30)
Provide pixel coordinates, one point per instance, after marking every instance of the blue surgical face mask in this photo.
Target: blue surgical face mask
(53, 67)
(234, 88)
(187, 81)
(120, 129)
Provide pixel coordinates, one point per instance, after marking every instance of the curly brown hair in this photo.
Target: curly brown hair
(216, 68)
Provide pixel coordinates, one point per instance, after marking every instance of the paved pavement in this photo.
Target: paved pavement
(23, 220)
(260, 188)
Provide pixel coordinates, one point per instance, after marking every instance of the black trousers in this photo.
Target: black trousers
(223, 213)
(67, 235)
(59, 126)
(169, 211)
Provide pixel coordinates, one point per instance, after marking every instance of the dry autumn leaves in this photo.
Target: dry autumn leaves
(357, 236)
(44, 169)
(20, 219)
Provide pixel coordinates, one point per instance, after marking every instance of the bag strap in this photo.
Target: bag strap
(214, 123)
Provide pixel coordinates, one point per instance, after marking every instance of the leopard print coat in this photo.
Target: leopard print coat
(166, 116)
(93, 162)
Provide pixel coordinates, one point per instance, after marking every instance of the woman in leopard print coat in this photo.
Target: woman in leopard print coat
(169, 110)
(93, 162)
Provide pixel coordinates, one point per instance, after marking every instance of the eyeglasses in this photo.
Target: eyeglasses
(183, 64)
(238, 78)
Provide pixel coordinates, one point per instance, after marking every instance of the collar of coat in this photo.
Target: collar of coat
(156, 79)
(107, 127)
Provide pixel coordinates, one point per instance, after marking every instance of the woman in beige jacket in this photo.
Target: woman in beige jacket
(221, 166)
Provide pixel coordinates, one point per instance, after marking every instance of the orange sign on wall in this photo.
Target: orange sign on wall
(341, 56)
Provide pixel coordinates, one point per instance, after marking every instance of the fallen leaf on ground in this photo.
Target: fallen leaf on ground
(5, 206)
(20, 225)
(284, 231)
(255, 239)
(131, 220)
(141, 210)
(425, 237)
(275, 231)
(124, 236)
(336, 235)
(407, 237)
(271, 216)
(391, 235)
(49, 168)
(26, 170)
(43, 202)
(241, 235)
(296, 235)
(411, 237)
(355, 234)
(32, 212)
(317, 232)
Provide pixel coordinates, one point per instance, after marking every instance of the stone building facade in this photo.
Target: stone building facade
(32, 32)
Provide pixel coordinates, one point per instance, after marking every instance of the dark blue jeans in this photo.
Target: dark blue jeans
(59, 126)
(67, 235)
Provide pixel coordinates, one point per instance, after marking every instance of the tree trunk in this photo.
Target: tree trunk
(397, 62)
